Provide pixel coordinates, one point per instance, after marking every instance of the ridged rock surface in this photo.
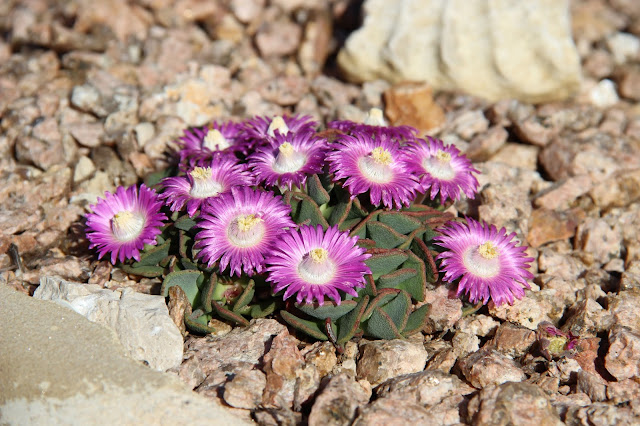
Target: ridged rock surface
(495, 49)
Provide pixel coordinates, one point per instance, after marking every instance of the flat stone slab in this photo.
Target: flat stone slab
(56, 367)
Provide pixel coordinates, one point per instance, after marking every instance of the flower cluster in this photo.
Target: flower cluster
(274, 201)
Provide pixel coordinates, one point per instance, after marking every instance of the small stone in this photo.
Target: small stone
(338, 402)
(618, 190)
(280, 365)
(426, 388)
(592, 384)
(444, 311)
(485, 145)
(518, 155)
(87, 98)
(316, 41)
(83, 170)
(478, 324)
(603, 94)
(383, 359)
(512, 403)
(247, 10)
(624, 47)
(386, 411)
(279, 38)
(87, 134)
(529, 311)
(470, 123)
(533, 132)
(630, 84)
(412, 104)
(623, 308)
(488, 367)
(623, 358)
(284, 90)
(586, 318)
(623, 391)
(177, 306)
(563, 193)
(245, 389)
(465, 343)
(599, 64)
(595, 236)
(547, 225)
(512, 340)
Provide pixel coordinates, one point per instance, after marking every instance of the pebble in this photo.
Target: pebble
(547, 225)
(512, 403)
(624, 47)
(485, 145)
(384, 359)
(445, 309)
(245, 389)
(84, 169)
(338, 402)
(603, 94)
(512, 340)
(623, 357)
(487, 367)
(279, 38)
(412, 104)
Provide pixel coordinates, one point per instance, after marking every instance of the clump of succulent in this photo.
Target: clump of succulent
(338, 232)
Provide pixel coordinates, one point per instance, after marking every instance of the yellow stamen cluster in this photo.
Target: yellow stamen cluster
(245, 223)
(318, 255)
(286, 149)
(122, 219)
(215, 140)
(443, 156)
(381, 156)
(488, 250)
(201, 173)
(277, 124)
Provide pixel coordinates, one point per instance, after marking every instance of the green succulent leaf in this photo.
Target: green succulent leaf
(401, 223)
(263, 308)
(188, 264)
(328, 310)
(311, 328)
(228, 315)
(417, 320)
(196, 322)
(349, 323)
(339, 213)
(420, 249)
(360, 230)
(381, 326)
(309, 211)
(316, 190)
(189, 281)
(143, 271)
(206, 294)
(384, 296)
(395, 278)
(384, 236)
(153, 255)
(416, 284)
(384, 261)
(154, 178)
(185, 223)
(245, 297)
(398, 309)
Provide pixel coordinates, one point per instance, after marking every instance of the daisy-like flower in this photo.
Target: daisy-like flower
(442, 169)
(260, 129)
(487, 261)
(312, 264)
(240, 227)
(374, 165)
(373, 125)
(205, 143)
(202, 183)
(122, 223)
(290, 159)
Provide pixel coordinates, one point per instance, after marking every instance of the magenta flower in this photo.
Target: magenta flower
(374, 124)
(289, 160)
(487, 261)
(240, 228)
(260, 129)
(202, 183)
(122, 223)
(442, 168)
(374, 165)
(312, 264)
(205, 143)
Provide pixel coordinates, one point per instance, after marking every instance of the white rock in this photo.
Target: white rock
(603, 94)
(624, 47)
(141, 321)
(84, 169)
(144, 132)
(497, 49)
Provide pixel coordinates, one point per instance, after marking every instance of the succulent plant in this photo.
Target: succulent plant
(356, 193)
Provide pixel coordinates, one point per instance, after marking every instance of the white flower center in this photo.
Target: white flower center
(127, 225)
(376, 167)
(316, 267)
(215, 141)
(203, 186)
(277, 124)
(288, 159)
(375, 118)
(246, 231)
(482, 261)
(439, 166)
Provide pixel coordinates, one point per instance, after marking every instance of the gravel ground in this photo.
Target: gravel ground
(92, 92)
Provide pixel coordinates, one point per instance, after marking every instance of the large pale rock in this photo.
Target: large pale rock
(141, 321)
(58, 368)
(494, 49)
